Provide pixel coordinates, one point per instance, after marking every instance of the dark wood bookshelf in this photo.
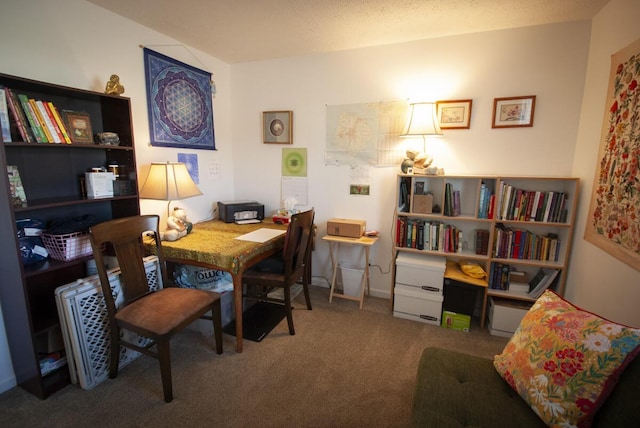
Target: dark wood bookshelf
(52, 175)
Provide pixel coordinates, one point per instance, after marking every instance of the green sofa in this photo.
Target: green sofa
(460, 390)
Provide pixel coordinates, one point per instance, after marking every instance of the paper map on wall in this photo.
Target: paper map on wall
(365, 133)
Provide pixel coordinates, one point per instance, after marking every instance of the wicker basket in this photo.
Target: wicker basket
(67, 247)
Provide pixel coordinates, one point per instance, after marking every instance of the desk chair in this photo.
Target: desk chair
(156, 315)
(285, 269)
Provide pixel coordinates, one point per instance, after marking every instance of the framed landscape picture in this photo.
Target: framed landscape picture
(454, 114)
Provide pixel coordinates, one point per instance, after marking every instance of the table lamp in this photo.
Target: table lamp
(421, 121)
(168, 181)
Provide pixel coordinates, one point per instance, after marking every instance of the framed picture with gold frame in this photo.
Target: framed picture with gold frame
(454, 114)
(79, 126)
(277, 127)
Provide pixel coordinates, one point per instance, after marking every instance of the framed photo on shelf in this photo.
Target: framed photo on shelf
(79, 126)
(455, 114)
(513, 112)
(277, 127)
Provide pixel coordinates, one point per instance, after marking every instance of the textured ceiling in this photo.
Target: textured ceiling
(253, 30)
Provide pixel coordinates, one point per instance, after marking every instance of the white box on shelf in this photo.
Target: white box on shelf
(99, 184)
(505, 316)
(411, 303)
(421, 271)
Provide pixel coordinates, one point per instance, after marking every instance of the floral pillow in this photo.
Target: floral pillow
(564, 361)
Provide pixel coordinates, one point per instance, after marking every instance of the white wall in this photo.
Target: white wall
(546, 61)
(597, 281)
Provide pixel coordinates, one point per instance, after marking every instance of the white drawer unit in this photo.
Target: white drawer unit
(417, 305)
(420, 271)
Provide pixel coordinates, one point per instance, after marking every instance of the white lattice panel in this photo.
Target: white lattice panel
(85, 325)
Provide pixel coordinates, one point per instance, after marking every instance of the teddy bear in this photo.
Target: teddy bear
(177, 226)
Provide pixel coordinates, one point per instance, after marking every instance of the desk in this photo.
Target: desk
(334, 252)
(212, 245)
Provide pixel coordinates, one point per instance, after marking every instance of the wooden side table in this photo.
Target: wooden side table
(334, 251)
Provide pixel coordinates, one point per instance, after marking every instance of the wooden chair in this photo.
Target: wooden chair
(285, 269)
(156, 315)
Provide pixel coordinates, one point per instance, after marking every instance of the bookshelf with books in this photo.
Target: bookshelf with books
(51, 188)
(522, 224)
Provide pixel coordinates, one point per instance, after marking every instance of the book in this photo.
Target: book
(60, 122)
(518, 282)
(420, 235)
(18, 196)
(456, 203)
(53, 130)
(21, 121)
(4, 117)
(31, 118)
(40, 120)
(541, 281)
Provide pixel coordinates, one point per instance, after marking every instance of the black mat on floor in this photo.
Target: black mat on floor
(258, 321)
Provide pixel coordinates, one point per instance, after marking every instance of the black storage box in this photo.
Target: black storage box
(459, 297)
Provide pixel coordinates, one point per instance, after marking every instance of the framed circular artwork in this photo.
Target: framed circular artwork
(277, 127)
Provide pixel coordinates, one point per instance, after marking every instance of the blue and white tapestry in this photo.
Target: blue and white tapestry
(179, 103)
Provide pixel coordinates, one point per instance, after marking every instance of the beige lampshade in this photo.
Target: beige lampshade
(168, 181)
(421, 120)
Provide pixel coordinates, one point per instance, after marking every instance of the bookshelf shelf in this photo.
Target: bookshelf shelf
(490, 212)
(51, 175)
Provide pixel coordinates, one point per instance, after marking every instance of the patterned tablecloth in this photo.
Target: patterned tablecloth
(214, 243)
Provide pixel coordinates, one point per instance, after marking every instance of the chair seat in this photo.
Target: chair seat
(166, 310)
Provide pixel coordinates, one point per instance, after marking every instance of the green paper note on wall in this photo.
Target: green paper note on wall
(294, 162)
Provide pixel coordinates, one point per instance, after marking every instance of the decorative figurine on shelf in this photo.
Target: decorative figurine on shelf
(113, 86)
(423, 164)
(177, 226)
(408, 161)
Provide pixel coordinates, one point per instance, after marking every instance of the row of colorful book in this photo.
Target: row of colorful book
(428, 235)
(35, 121)
(525, 205)
(515, 243)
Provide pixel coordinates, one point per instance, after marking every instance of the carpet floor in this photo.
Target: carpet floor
(345, 367)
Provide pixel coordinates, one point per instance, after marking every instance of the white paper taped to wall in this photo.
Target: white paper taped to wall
(294, 187)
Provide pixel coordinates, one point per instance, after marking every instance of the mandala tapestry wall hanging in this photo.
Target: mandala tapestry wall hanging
(614, 214)
(179, 103)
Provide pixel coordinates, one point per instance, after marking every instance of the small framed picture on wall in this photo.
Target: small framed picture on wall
(454, 114)
(513, 112)
(277, 127)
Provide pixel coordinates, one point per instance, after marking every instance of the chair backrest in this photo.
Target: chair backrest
(298, 243)
(125, 236)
